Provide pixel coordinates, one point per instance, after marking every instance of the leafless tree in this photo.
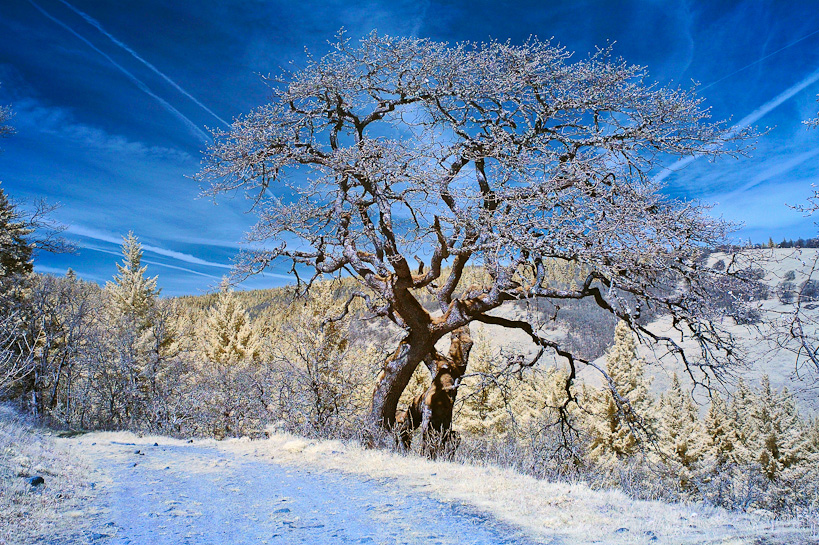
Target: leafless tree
(402, 161)
(16, 356)
(5, 115)
(796, 328)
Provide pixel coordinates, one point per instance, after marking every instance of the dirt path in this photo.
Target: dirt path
(200, 494)
(290, 490)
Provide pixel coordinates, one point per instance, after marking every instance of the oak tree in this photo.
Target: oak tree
(403, 162)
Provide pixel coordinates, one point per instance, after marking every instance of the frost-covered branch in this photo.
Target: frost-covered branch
(498, 156)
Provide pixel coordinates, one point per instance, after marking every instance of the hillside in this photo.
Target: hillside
(760, 341)
(255, 363)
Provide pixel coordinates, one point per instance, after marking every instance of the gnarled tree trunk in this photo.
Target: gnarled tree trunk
(432, 410)
(394, 377)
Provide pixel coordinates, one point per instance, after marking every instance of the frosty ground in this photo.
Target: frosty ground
(290, 490)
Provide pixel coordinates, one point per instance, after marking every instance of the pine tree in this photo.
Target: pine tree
(781, 451)
(132, 294)
(229, 336)
(533, 395)
(779, 435)
(15, 247)
(724, 445)
(484, 395)
(813, 436)
(724, 474)
(621, 413)
(681, 438)
(135, 343)
(230, 348)
(740, 420)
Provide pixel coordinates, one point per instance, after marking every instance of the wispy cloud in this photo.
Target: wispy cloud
(180, 256)
(759, 60)
(195, 130)
(765, 212)
(749, 119)
(775, 102)
(96, 24)
(775, 171)
(148, 261)
(59, 122)
(94, 248)
(418, 20)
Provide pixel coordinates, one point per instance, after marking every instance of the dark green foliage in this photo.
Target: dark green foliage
(15, 247)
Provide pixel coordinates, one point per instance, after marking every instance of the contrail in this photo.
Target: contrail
(147, 261)
(776, 170)
(144, 88)
(753, 117)
(94, 234)
(187, 258)
(769, 55)
(96, 24)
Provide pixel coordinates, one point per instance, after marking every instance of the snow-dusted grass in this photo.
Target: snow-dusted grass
(569, 513)
(52, 512)
(573, 512)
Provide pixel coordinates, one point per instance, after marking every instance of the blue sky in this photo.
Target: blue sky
(113, 101)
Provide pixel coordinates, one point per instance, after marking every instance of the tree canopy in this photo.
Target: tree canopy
(403, 161)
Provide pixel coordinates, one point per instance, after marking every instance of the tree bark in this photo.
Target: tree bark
(394, 377)
(432, 410)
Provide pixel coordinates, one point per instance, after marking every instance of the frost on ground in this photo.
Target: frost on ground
(172, 492)
(50, 512)
(291, 490)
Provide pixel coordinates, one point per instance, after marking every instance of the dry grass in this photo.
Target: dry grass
(49, 513)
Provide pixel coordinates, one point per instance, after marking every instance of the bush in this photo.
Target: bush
(752, 273)
(786, 292)
(809, 290)
(746, 315)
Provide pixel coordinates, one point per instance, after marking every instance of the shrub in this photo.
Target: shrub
(786, 292)
(809, 290)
